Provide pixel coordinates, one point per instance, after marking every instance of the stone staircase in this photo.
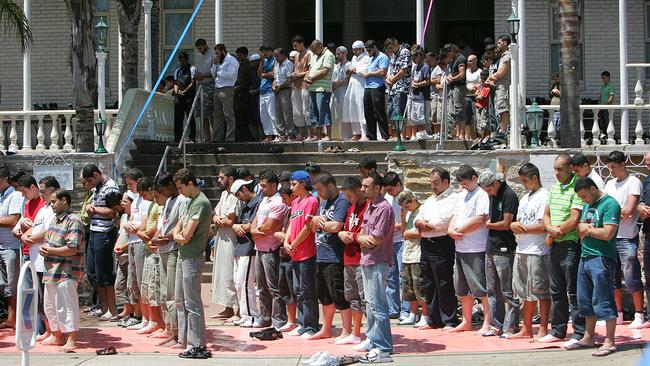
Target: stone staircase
(205, 160)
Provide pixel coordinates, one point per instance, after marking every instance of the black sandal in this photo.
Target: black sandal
(106, 351)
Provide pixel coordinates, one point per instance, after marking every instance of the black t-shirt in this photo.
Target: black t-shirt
(505, 201)
(455, 64)
(245, 245)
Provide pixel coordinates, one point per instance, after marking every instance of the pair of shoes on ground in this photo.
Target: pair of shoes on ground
(196, 352)
(333, 149)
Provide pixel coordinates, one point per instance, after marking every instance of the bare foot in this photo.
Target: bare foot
(43, 337)
(484, 329)
(149, 329)
(165, 334)
(52, 340)
(177, 346)
(343, 335)
(322, 334)
(462, 327)
(163, 342)
(541, 333)
(68, 347)
(521, 334)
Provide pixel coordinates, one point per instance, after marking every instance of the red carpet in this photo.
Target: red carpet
(235, 341)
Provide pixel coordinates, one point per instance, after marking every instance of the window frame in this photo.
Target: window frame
(168, 48)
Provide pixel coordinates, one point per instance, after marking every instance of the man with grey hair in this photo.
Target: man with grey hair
(501, 245)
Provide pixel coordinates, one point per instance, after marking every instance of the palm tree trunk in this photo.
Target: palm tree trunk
(570, 79)
(84, 68)
(129, 17)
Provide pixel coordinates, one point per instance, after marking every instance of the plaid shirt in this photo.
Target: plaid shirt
(401, 61)
(66, 230)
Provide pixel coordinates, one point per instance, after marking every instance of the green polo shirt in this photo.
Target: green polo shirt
(605, 92)
(604, 211)
(318, 62)
(198, 209)
(562, 199)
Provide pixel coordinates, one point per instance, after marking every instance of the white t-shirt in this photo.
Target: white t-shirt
(531, 211)
(630, 186)
(397, 210)
(139, 208)
(471, 204)
(41, 224)
(593, 174)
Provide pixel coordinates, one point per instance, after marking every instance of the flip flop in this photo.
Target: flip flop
(106, 351)
(602, 352)
(348, 360)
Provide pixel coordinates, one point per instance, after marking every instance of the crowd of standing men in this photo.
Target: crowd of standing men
(322, 92)
(369, 248)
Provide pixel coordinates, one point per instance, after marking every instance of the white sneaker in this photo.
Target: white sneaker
(619, 319)
(306, 335)
(364, 346)
(424, 320)
(294, 333)
(571, 344)
(421, 135)
(351, 339)
(313, 358)
(376, 356)
(242, 320)
(638, 321)
(288, 327)
(409, 320)
(549, 338)
(251, 324)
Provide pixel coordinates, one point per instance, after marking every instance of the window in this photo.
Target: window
(176, 14)
(555, 39)
(101, 10)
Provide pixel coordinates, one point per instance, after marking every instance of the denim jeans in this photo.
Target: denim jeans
(304, 285)
(189, 305)
(394, 283)
(100, 257)
(565, 257)
(397, 105)
(596, 287)
(504, 307)
(271, 307)
(629, 261)
(378, 328)
(321, 115)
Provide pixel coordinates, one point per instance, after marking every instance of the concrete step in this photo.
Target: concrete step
(266, 158)
(206, 276)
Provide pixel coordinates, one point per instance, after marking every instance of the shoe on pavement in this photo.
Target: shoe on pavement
(242, 320)
(131, 322)
(306, 335)
(139, 325)
(364, 346)
(351, 339)
(638, 321)
(288, 327)
(313, 358)
(251, 324)
(409, 320)
(376, 356)
(571, 344)
(295, 332)
(549, 338)
(424, 320)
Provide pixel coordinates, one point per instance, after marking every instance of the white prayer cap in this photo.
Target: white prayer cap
(357, 45)
(293, 53)
(254, 57)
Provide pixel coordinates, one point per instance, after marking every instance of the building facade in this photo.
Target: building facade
(252, 23)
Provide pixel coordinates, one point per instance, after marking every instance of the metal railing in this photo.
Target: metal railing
(162, 167)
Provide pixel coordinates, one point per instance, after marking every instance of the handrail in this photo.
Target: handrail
(444, 123)
(182, 143)
(47, 112)
(596, 106)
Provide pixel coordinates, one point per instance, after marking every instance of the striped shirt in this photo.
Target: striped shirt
(562, 199)
(101, 223)
(325, 60)
(66, 230)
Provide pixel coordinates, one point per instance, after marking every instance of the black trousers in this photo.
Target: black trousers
(437, 266)
(181, 109)
(374, 104)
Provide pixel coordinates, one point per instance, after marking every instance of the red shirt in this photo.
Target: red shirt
(353, 223)
(302, 211)
(31, 209)
(484, 93)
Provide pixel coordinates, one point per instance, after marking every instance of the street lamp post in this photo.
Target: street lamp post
(515, 122)
(101, 30)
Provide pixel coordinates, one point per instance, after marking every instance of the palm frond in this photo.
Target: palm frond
(13, 20)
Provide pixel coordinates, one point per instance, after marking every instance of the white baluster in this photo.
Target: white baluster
(2, 134)
(610, 129)
(13, 135)
(67, 135)
(40, 134)
(638, 101)
(550, 130)
(582, 128)
(54, 134)
(595, 130)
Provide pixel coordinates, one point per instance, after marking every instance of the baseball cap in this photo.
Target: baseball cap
(301, 175)
(488, 177)
(236, 186)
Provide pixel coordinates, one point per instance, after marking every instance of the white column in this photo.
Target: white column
(101, 84)
(218, 21)
(147, 4)
(119, 66)
(521, 43)
(419, 22)
(27, 85)
(319, 20)
(622, 55)
(515, 122)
